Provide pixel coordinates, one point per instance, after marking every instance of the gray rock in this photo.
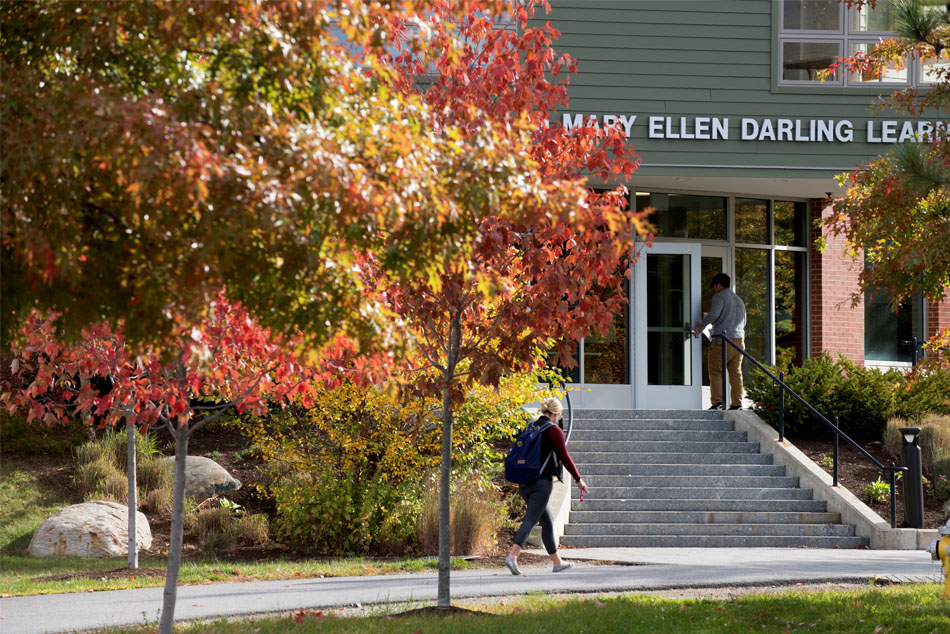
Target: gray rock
(204, 477)
(91, 529)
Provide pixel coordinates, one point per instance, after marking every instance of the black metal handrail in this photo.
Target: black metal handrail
(780, 381)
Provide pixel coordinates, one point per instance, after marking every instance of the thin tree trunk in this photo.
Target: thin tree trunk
(445, 529)
(133, 496)
(177, 532)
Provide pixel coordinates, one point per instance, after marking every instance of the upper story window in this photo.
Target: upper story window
(813, 34)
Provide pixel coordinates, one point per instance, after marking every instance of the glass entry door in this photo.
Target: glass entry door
(667, 303)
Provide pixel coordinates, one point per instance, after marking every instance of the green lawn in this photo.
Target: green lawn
(18, 573)
(898, 609)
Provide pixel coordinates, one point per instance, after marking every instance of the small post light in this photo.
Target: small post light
(913, 480)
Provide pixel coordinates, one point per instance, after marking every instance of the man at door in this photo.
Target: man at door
(727, 316)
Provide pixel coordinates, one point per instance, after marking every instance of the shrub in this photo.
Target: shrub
(91, 475)
(862, 398)
(210, 522)
(475, 519)
(345, 475)
(114, 487)
(154, 472)
(349, 474)
(157, 502)
(927, 391)
(224, 526)
(18, 436)
(251, 529)
(101, 471)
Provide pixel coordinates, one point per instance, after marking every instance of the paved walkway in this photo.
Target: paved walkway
(648, 569)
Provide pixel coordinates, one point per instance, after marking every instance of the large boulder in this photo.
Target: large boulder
(90, 529)
(204, 477)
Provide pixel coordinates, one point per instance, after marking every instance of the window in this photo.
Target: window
(790, 220)
(685, 215)
(768, 242)
(606, 355)
(752, 221)
(790, 275)
(813, 34)
(888, 333)
(752, 285)
(935, 68)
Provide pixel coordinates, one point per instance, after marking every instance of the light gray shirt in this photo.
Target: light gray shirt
(727, 315)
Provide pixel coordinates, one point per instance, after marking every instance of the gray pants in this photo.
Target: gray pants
(536, 496)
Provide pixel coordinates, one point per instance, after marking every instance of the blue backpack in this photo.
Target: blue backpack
(523, 463)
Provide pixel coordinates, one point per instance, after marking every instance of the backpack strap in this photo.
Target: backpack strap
(544, 427)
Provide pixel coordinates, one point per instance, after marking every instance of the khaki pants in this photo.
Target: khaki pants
(734, 368)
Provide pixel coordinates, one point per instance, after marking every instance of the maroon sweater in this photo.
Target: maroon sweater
(552, 439)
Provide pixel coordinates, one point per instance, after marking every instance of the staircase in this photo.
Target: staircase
(664, 478)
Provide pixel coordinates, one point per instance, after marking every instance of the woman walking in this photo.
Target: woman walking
(537, 493)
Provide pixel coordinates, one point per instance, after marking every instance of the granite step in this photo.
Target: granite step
(667, 435)
(711, 541)
(660, 446)
(691, 481)
(701, 517)
(737, 529)
(585, 457)
(693, 493)
(709, 505)
(757, 470)
(671, 424)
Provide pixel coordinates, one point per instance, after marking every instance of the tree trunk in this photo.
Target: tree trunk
(133, 497)
(445, 528)
(177, 533)
(445, 470)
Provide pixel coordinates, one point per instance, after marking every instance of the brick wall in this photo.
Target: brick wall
(938, 315)
(836, 327)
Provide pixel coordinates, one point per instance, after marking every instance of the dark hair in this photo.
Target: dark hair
(720, 278)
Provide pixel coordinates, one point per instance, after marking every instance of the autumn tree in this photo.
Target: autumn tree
(896, 210)
(154, 153)
(228, 363)
(547, 256)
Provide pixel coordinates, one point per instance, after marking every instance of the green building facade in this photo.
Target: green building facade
(740, 139)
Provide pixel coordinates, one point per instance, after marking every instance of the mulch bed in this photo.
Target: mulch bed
(855, 471)
(451, 610)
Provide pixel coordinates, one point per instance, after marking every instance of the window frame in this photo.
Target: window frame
(844, 37)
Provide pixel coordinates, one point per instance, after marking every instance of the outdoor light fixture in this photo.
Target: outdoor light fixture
(910, 434)
(913, 478)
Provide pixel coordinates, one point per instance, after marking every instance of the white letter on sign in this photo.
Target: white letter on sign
(750, 129)
(627, 123)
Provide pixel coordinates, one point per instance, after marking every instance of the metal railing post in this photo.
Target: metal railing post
(915, 356)
(893, 498)
(781, 407)
(809, 408)
(835, 469)
(725, 396)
